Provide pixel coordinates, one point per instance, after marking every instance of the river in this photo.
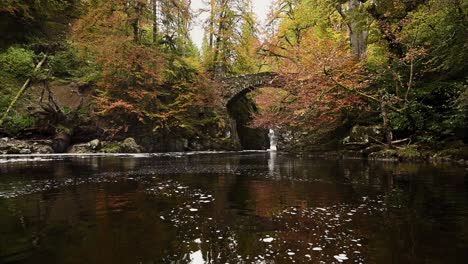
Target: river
(247, 207)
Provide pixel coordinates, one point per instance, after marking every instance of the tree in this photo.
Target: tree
(406, 42)
(42, 23)
(142, 84)
(230, 38)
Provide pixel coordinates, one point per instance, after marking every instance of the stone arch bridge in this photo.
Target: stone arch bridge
(240, 108)
(237, 86)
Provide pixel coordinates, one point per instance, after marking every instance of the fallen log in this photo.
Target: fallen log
(401, 141)
(21, 91)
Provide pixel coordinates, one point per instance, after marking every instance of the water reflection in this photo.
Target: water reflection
(231, 208)
(272, 167)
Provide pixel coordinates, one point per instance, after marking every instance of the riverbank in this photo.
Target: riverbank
(411, 153)
(366, 142)
(14, 148)
(37, 146)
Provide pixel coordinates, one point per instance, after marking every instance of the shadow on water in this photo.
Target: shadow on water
(231, 207)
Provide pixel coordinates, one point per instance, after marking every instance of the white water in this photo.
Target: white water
(273, 140)
(197, 257)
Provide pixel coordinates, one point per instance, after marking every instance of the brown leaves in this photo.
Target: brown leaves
(310, 98)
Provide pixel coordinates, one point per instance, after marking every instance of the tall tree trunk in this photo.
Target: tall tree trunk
(357, 34)
(212, 22)
(219, 61)
(136, 30)
(155, 20)
(358, 42)
(139, 6)
(386, 121)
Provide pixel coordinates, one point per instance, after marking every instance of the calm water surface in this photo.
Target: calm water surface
(230, 208)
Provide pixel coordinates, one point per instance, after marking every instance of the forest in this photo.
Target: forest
(377, 78)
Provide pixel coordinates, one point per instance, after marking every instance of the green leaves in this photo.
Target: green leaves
(17, 62)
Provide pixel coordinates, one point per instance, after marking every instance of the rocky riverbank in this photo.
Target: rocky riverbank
(361, 143)
(129, 145)
(15, 146)
(366, 142)
(411, 153)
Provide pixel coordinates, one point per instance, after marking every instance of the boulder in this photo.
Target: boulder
(285, 141)
(95, 144)
(14, 146)
(79, 148)
(12, 150)
(25, 151)
(110, 147)
(196, 144)
(366, 134)
(129, 145)
(43, 149)
(91, 147)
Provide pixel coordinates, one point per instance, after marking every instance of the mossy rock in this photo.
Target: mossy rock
(409, 153)
(13, 150)
(111, 147)
(366, 134)
(129, 145)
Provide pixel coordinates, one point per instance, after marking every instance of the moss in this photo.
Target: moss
(384, 154)
(16, 65)
(408, 153)
(16, 123)
(455, 152)
(111, 147)
(13, 150)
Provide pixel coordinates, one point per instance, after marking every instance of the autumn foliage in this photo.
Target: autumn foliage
(140, 83)
(310, 100)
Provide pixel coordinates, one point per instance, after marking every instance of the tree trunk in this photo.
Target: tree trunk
(386, 123)
(357, 34)
(358, 42)
(155, 20)
(61, 142)
(212, 18)
(136, 21)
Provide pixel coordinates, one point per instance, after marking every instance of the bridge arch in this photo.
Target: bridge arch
(240, 107)
(238, 86)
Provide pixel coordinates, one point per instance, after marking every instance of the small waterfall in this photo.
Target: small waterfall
(273, 140)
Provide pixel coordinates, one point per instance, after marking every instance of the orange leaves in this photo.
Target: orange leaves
(310, 98)
(131, 74)
(120, 106)
(122, 115)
